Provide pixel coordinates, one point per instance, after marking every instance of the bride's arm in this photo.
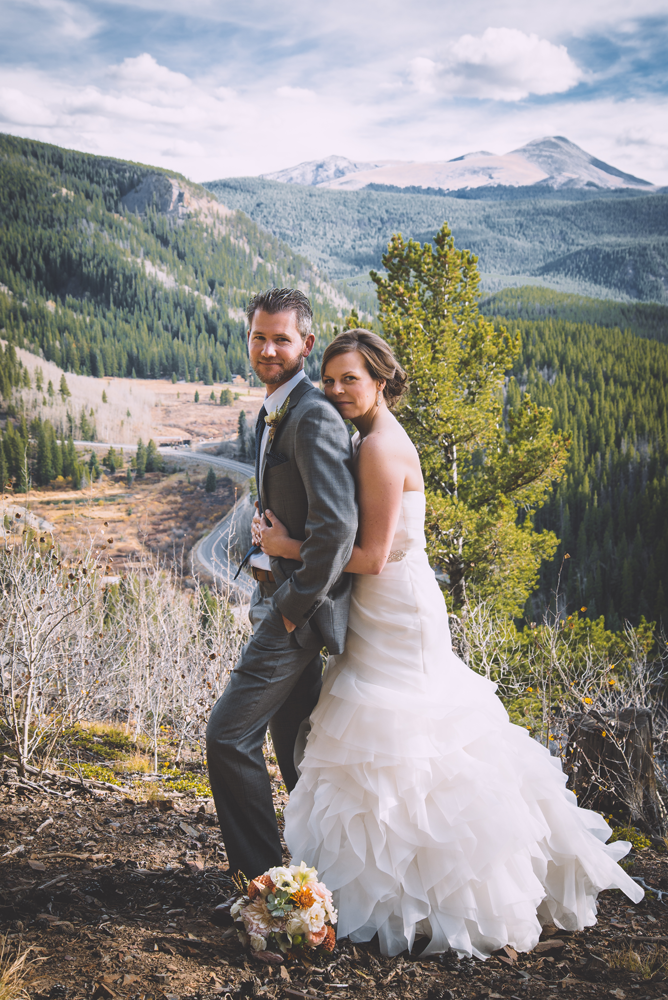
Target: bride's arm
(380, 477)
(381, 474)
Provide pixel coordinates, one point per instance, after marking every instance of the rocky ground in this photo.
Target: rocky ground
(112, 893)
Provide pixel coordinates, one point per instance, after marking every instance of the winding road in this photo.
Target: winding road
(212, 553)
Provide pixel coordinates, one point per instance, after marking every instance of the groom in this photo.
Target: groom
(303, 473)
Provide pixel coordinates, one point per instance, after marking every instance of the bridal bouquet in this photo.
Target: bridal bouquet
(288, 908)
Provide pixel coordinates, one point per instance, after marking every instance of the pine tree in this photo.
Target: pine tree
(352, 322)
(154, 461)
(197, 395)
(482, 478)
(244, 437)
(44, 467)
(210, 484)
(94, 467)
(22, 484)
(4, 478)
(110, 460)
(64, 389)
(140, 459)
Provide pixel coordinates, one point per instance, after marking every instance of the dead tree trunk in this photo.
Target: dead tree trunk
(610, 764)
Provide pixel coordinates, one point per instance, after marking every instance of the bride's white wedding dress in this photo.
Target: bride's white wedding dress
(422, 807)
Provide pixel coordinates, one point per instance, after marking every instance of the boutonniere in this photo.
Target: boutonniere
(274, 418)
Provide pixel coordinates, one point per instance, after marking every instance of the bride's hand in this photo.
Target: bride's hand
(272, 535)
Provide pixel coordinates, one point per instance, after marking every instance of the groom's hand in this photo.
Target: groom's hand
(288, 625)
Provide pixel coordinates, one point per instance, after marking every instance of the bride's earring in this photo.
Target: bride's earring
(379, 396)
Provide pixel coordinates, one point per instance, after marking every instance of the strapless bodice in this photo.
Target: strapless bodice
(409, 533)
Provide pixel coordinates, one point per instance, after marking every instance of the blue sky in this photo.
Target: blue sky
(216, 89)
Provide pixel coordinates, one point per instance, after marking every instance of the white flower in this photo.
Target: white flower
(305, 921)
(282, 878)
(236, 908)
(315, 916)
(258, 943)
(322, 893)
(297, 923)
(302, 875)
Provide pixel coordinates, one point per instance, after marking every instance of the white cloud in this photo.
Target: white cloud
(141, 109)
(505, 64)
(422, 73)
(19, 108)
(300, 94)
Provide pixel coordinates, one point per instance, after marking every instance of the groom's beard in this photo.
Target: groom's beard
(282, 374)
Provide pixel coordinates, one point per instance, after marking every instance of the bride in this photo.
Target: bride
(422, 807)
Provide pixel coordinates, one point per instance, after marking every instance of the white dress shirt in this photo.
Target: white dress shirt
(272, 403)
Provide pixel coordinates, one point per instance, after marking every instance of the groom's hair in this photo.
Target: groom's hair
(276, 300)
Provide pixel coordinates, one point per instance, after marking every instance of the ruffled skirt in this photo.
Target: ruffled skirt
(423, 808)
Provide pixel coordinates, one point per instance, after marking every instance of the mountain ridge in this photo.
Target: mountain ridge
(552, 162)
(607, 245)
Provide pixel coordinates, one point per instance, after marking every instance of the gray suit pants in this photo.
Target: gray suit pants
(275, 684)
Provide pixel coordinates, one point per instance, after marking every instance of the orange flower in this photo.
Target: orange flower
(303, 898)
(330, 939)
(258, 884)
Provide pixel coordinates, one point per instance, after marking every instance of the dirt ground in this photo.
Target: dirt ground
(160, 515)
(176, 416)
(114, 893)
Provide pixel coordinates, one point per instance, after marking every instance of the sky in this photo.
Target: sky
(214, 88)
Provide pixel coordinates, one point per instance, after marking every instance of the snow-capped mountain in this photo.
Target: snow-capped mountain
(321, 173)
(551, 162)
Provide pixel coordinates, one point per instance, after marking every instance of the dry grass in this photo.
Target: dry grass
(137, 764)
(15, 974)
(111, 418)
(646, 963)
(103, 729)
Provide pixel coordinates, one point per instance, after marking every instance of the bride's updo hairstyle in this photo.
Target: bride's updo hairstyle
(379, 360)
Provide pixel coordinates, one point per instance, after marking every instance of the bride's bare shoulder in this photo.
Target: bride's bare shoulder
(387, 442)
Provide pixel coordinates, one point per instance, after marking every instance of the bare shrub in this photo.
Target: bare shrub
(75, 646)
(593, 697)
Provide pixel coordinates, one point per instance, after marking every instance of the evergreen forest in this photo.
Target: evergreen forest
(610, 245)
(608, 387)
(101, 289)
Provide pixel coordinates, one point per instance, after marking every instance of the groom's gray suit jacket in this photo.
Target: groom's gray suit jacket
(308, 483)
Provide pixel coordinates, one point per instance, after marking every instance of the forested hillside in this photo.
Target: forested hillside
(114, 268)
(646, 319)
(609, 388)
(606, 245)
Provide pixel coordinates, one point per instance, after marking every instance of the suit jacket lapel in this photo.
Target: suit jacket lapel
(303, 386)
(259, 429)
